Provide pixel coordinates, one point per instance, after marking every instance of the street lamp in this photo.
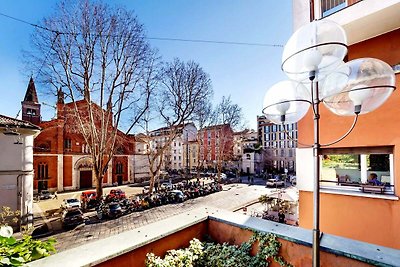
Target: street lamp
(313, 60)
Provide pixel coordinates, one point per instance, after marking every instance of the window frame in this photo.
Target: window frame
(363, 152)
(67, 144)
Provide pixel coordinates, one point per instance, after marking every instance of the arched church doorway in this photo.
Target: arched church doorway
(84, 167)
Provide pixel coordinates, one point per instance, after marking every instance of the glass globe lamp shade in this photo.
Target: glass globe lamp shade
(335, 81)
(286, 102)
(319, 46)
(368, 85)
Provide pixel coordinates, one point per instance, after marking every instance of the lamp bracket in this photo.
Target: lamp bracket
(322, 145)
(308, 48)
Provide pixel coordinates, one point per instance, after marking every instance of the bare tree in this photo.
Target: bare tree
(184, 87)
(203, 119)
(100, 58)
(226, 116)
(226, 112)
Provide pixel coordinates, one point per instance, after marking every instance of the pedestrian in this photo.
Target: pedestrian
(248, 179)
(281, 217)
(55, 195)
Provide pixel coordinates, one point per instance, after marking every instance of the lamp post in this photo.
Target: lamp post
(313, 60)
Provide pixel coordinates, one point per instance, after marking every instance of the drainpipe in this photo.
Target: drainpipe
(20, 174)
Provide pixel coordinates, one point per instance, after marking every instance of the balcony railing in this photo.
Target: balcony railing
(331, 6)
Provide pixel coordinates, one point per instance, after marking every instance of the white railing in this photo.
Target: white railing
(331, 6)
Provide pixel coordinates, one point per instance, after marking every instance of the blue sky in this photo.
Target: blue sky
(244, 72)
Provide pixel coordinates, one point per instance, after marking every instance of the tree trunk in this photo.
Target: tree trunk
(99, 184)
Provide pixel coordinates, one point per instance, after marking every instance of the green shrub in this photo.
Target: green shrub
(222, 255)
(15, 252)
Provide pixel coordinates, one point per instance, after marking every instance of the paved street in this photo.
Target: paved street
(233, 197)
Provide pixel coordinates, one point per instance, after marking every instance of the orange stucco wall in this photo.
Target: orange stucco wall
(366, 219)
(297, 255)
(177, 240)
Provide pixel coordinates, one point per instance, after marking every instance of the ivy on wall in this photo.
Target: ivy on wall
(209, 254)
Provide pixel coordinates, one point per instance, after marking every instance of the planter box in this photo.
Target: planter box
(130, 248)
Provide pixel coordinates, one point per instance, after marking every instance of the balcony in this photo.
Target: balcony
(362, 20)
(130, 248)
(329, 7)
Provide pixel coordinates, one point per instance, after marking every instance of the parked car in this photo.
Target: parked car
(176, 196)
(231, 174)
(109, 210)
(166, 185)
(221, 177)
(146, 189)
(115, 210)
(88, 199)
(70, 203)
(293, 180)
(275, 183)
(44, 194)
(116, 194)
(72, 217)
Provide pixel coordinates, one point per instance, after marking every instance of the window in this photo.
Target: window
(43, 147)
(43, 171)
(120, 151)
(118, 168)
(248, 156)
(67, 144)
(350, 168)
(30, 111)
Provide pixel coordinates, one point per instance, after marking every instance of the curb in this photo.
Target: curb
(245, 205)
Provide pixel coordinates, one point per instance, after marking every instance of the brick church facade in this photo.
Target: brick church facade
(61, 157)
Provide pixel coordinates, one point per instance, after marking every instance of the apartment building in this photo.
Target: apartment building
(216, 146)
(177, 155)
(348, 207)
(279, 145)
(247, 152)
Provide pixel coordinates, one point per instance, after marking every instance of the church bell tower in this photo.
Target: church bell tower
(30, 105)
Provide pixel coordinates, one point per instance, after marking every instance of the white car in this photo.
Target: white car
(70, 203)
(275, 183)
(166, 185)
(293, 180)
(222, 176)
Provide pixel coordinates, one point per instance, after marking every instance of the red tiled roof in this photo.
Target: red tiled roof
(7, 122)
